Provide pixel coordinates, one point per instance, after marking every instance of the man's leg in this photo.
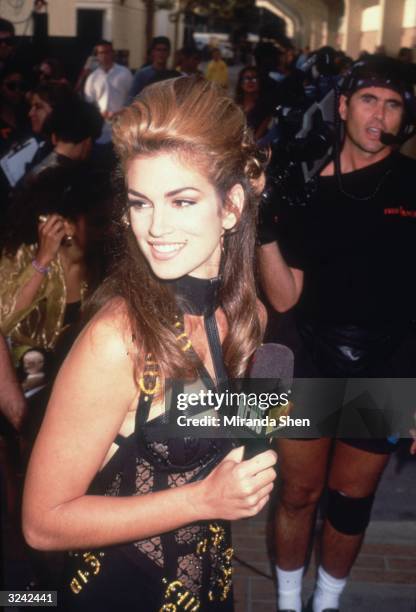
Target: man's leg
(356, 474)
(302, 474)
(352, 482)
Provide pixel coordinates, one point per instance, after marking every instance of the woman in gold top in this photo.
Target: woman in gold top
(46, 263)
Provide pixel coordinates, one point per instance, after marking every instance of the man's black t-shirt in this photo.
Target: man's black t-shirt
(358, 255)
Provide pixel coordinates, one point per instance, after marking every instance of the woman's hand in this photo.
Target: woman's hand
(238, 489)
(50, 235)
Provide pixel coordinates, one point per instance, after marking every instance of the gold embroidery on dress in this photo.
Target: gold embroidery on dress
(178, 598)
(183, 598)
(91, 567)
(222, 579)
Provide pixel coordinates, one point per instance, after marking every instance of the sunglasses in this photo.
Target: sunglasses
(252, 79)
(15, 85)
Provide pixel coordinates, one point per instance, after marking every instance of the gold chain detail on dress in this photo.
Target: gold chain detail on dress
(149, 382)
(182, 338)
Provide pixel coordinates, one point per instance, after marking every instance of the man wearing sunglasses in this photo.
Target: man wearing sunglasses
(7, 42)
(13, 110)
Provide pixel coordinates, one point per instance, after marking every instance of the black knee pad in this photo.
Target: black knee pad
(348, 515)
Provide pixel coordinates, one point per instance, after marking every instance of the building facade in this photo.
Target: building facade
(121, 21)
(352, 25)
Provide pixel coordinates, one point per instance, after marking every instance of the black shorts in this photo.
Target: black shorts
(400, 362)
(377, 446)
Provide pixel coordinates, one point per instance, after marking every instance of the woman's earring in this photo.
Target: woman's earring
(125, 220)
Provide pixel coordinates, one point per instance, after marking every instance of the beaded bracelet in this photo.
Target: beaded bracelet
(39, 268)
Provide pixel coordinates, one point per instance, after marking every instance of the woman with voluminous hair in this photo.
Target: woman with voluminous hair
(145, 517)
(255, 102)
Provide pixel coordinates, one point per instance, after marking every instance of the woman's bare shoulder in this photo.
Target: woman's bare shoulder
(109, 333)
(100, 361)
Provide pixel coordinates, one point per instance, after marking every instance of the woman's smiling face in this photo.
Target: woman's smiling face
(177, 216)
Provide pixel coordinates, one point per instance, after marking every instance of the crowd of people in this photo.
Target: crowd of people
(134, 209)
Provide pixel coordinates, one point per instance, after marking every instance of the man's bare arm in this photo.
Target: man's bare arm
(281, 283)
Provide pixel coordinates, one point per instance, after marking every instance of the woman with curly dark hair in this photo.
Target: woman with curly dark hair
(51, 255)
(147, 523)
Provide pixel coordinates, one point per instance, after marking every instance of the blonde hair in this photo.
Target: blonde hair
(193, 118)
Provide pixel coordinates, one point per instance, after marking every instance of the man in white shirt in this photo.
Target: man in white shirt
(108, 86)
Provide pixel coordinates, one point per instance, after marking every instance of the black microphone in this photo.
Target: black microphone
(271, 362)
(389, 139)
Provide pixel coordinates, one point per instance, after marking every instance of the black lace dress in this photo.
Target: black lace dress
(188, 569)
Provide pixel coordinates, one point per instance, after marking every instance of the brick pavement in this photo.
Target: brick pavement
(383, 578)
(384, 575)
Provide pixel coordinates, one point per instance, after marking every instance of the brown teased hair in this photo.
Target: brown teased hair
(193, 118)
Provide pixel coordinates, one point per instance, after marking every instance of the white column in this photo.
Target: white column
(352, 40)
(391, 24)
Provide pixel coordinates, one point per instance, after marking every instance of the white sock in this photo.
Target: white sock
(327, 591)
(289, 587)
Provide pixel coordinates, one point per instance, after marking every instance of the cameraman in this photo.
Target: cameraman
(346, 262)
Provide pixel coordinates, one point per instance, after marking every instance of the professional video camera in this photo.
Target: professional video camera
(305, 125)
